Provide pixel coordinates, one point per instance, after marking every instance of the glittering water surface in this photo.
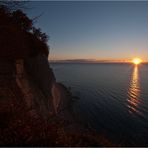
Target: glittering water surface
(113, 98)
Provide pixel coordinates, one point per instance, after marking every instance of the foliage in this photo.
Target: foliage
(42, 36)
(22, 20)
(19, 26)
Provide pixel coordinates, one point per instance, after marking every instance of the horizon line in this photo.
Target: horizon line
(91, 61)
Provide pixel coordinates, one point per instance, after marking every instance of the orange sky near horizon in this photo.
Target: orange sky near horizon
(129, 60)
(95, 59)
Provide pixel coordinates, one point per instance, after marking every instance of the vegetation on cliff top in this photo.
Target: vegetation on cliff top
(19, 37)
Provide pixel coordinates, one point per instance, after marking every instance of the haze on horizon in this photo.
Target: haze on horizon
(109, 30)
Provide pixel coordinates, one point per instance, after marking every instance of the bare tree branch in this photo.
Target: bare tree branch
(34, 20)
(13, 5)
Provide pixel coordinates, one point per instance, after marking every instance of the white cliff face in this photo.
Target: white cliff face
(33, 96)
(61, 97)
(39, 71)
(57, 96)
(42, 76)
(20, 68)
(41, 92)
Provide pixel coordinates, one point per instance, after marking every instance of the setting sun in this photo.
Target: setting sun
(136, 61)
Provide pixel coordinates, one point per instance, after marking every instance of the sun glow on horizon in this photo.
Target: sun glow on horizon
(136, 61)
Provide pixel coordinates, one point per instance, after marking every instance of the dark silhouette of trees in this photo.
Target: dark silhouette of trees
(22, 20)
(40, 35)
(19, 34)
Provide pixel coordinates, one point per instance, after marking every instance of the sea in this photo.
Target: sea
(113, 98)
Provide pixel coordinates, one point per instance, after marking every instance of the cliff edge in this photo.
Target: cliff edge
(30, 97)
(34, 108)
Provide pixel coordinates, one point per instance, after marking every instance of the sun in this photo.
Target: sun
(136, 61)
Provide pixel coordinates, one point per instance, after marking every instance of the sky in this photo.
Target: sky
(98, 30)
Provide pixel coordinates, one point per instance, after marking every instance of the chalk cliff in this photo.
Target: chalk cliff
(30, 97)
(34, 108)
(30, 101)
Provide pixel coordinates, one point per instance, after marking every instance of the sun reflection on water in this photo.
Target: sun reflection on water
(134, 91)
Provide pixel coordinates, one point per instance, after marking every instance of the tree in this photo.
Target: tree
(22, 20)
(16, 25)
(42, 36)
(14, 12)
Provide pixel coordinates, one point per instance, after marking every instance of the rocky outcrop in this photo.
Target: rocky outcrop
(62, 98)
(24, 56)
(39, 71)
(37, 82)
(27, 111)
(33, 96)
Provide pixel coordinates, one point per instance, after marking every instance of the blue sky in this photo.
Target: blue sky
(94, 30)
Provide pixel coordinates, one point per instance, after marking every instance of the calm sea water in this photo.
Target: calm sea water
(113, 98)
